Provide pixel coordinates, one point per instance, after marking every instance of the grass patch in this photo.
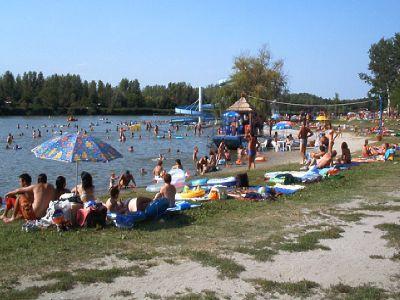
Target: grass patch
(139, 255)
(204, 295)
(349, 217)
(310, 240)
(359, 293)
(67, 280)
(392, 233)
(122, 293)
(170, 261)
(380, 207)
(152, 296)
(225, 266)
(303, 288)
(376, 257)
(396, 256)
(259, 254)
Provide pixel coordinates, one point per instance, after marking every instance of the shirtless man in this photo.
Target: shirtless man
(158, 169)
(327, 159)
(252, 146)
(43, 193)
(303, 135)
(25, 180)
(125, 179)
(168, 191)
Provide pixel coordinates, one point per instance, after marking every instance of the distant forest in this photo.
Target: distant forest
(34, 94)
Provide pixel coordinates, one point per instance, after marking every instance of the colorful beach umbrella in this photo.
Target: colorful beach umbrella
(282, 125)
(76, 147)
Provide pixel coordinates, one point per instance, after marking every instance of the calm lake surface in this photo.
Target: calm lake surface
(146, 150)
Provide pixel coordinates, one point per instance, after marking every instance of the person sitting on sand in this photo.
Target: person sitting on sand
(227, 154)
(27, 209)
(327, 159)
(125, 179)
(114, 204)
(168, 191)
(212, 162)
(202, 165)
(178, 164)
(86, 189)
(367, 150)
(315, 156)
(61, 189)
(25, 180)
(158, 169)
(345, 158)
(289, 141)
(390, 153)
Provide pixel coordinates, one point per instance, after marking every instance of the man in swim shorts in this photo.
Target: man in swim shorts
(43, 193)
(25, 180)
(252, 149)
(303, 135)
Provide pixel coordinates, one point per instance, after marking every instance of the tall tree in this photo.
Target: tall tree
(384, 67)
(258, 76)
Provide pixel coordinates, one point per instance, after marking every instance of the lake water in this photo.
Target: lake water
(15, 162)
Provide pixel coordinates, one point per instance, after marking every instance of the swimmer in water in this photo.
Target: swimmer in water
(143, 171)
(130, 149)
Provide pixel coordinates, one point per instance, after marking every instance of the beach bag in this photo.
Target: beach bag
(71, 197)
(92, 216)
(242, 180)
(156, 208)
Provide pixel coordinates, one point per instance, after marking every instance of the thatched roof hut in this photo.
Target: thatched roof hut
(241, 106)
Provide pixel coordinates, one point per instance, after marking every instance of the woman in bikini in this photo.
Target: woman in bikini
(86, 189)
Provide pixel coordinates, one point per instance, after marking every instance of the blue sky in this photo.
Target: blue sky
(324, 43)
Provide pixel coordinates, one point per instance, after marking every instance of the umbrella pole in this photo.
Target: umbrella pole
(76, 181)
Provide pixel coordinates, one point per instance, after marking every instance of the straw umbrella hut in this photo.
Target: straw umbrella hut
(241, 106)
(244, 108)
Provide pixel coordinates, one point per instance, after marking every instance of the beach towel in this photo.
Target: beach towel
(183, 205)
(156, 208)
(284, 189)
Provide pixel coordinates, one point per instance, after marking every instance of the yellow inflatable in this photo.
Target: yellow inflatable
(195, 193)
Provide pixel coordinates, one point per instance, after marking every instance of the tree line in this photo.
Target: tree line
(256, 75)
(32, 93)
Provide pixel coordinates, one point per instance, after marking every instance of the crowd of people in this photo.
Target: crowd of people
(31, 201)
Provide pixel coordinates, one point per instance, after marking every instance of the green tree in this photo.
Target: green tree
(384, 67)
(258, 76)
